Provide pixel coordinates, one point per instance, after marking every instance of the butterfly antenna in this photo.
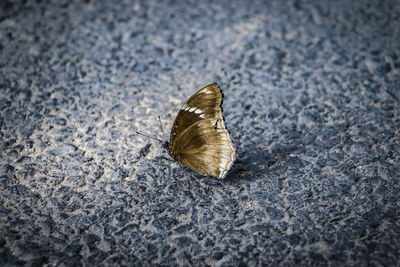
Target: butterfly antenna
(145, 135)
(162, 129)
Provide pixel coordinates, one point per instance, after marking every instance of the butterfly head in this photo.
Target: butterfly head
(165, 145)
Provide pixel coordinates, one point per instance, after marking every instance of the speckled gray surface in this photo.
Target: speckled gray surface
(312, 99)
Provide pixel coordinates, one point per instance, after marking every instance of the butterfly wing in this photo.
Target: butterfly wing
(199, 138)
(207, 148)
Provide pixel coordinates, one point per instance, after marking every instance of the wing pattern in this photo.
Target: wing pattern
(199, 138)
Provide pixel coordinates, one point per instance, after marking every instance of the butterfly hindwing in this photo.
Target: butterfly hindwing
(199, 138)
(207, 148)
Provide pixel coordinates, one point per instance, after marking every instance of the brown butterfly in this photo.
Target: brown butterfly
(199, 138)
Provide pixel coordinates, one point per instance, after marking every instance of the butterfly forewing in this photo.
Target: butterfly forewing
(205, 103)
(199, 138)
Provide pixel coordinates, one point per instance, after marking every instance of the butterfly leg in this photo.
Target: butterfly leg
(167, 159)
(187, 182)
(215, 126)
(160, 165)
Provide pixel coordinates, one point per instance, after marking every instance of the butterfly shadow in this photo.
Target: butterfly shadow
(258, 162)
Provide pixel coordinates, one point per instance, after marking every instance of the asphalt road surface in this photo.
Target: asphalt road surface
(312, 101)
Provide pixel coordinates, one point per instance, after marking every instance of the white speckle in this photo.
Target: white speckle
(192, 109)
(198, 111)
(202, 116)
(207, 92)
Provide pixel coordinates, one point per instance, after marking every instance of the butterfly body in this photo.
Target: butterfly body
(199, 138)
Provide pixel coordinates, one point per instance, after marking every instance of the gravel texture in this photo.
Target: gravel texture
(312, 99)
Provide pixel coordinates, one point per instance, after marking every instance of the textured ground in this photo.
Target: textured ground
(312, 99)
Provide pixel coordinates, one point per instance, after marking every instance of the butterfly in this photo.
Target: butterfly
(199, 138)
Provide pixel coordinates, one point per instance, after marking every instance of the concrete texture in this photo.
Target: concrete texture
(312, 100)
